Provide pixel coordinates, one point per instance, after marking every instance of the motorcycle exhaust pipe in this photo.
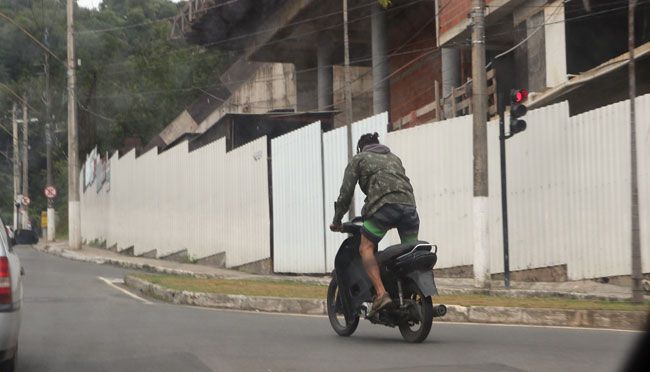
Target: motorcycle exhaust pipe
(439, 310)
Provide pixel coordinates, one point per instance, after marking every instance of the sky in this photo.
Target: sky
(94, 3)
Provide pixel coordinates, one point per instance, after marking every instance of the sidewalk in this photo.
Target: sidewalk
(585, 289)
(473, 312)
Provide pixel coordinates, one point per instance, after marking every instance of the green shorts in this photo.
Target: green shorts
(400, 216)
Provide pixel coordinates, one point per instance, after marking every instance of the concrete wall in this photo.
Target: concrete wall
(182, 124)
(273, 86)
(361, 93)
(541, 61)
(555, 43)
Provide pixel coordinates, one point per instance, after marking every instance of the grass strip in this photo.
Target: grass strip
(293, 289)
(279, 288)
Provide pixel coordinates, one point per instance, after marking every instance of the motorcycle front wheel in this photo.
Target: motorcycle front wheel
(342, 326)
(417, 331)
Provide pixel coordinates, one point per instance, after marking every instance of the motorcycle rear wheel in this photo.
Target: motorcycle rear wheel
(425, 310)
(341, 325)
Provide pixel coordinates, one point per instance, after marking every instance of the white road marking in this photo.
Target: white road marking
(113, 282)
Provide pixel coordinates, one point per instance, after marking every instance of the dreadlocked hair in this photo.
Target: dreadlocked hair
(367, 139)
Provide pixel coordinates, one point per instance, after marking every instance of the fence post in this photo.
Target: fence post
(439, 114)
(453, 102)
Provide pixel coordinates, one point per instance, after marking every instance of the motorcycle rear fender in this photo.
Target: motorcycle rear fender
(423, 279)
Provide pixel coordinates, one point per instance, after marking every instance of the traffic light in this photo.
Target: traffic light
(517, 110)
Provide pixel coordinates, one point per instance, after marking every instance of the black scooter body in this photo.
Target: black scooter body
(355, 285)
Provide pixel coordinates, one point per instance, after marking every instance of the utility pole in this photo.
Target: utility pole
(479, 111)
(51, 224)
(348, 90)
(637, 273)
(14, 124)
(74, 213)
(25, 208)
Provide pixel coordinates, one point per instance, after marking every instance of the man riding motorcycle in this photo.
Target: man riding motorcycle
(389, 204)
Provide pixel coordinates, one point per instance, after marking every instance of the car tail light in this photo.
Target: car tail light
(5, 281)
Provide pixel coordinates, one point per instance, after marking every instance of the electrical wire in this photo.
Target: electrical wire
(159, 20)
(530, 35)
(31, 37)
(18, 97)
(273, 29)
(457, 44)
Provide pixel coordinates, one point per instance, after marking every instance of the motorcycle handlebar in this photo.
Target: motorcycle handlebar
(351, 227)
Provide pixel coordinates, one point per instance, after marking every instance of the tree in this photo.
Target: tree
(385, 3)
(133, 80)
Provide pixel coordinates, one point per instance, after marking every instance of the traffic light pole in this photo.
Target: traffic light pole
(504, 200)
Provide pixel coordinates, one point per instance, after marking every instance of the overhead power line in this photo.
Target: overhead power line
(281, 76)
(273, 29)
(146, 23)
(18, 97)
(41, 45)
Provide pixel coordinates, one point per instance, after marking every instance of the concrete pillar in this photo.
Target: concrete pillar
(51, 224)
(380, 66)
(450, 70)
(306, 87)
(325, 78)
(555, 44)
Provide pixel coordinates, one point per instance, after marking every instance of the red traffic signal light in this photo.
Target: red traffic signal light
(517, 110)
(518, 96)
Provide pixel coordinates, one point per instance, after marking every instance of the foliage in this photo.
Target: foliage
(385, 3)
(133, 80)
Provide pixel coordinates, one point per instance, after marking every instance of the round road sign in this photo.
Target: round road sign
(50, 192)
(26, 200)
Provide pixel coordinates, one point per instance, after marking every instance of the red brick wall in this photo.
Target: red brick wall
(453, 12)
(413, 75)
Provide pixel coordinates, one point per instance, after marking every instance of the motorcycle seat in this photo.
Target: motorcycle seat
(397, 250)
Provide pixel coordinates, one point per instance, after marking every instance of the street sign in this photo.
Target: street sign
(43, 219)
(19, 199)
(26, 200)
(50, 192)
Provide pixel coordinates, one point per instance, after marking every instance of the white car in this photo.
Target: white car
(11, 299)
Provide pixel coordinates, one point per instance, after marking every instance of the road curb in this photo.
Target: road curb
(609, 319)
(443, 290)
(626, 320)
(225, 301)
(125, 264)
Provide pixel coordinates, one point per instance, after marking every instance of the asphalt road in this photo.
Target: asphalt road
(73, 321)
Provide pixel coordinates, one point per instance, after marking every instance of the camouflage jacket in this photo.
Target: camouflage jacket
(381, 177)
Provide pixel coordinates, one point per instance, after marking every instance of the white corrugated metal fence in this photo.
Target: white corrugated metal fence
(568, 194)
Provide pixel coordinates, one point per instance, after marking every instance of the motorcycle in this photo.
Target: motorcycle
(407, 273)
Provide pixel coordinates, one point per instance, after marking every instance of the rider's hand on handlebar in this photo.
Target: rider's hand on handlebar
(336, 227)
